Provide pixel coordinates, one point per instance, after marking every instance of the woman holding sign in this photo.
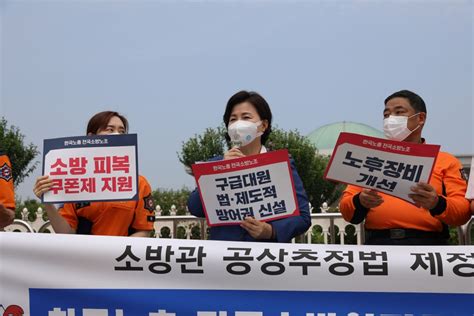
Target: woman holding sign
(248, 120)
(120, 218)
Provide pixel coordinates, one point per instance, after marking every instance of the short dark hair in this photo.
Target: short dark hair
(100, 120)
(414, 99)
(262, 107)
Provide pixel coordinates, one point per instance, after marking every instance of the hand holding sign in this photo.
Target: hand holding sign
(233, 153)
(42, 185)
(257, 229)
(424, 195)
(370, 198)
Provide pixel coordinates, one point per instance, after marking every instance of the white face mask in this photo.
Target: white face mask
(242, 133)
(396, 127)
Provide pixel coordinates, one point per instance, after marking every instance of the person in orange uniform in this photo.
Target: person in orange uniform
(437, 204)
(7, 193)
(119, 218)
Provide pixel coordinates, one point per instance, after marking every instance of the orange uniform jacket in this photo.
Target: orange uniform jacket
(452, 208)
(114, 218)
(7, 195)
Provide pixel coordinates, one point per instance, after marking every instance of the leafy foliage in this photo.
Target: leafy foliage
(167, 198)
(20, 154)
(203, 147)
(310, 166)
(32, 206)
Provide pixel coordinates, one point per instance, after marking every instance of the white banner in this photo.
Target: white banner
(77, 275)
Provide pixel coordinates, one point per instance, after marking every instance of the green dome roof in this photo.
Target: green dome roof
(325, 137)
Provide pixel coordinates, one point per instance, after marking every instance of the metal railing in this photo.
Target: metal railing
(327, 228)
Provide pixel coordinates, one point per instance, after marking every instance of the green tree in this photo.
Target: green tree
(20, 154)
(166, 198)
(203, 147)
(32, 206)
(453, 236)
(310, 166)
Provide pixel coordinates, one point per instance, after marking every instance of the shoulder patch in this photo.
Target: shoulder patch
(464, 174)
(6, 172)
(148, 202)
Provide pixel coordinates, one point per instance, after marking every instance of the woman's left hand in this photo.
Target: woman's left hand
(257, 229)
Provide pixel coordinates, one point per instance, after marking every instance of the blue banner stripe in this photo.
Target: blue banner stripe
(270, 303)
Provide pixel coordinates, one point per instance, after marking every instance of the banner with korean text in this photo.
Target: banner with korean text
(78, 275)
(387, 166)
(91, 168)
(260, 186)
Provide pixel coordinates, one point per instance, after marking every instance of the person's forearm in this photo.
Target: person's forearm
(6, 217)
(141, 233)
(60, 225)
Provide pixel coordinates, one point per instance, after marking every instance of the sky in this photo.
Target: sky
(171, 66)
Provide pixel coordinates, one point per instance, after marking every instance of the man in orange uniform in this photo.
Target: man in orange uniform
(7, 195)
(441, 202)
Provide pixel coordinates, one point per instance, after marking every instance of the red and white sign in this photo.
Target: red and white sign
(387, 166)
(91, 173)
(260, 186)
